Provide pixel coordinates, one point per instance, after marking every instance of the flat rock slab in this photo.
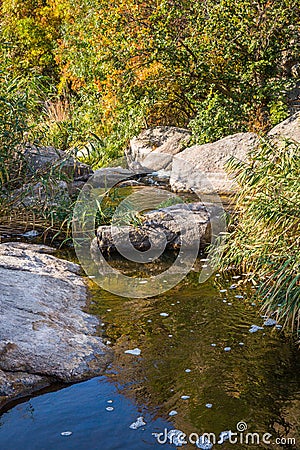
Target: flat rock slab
(45, 336)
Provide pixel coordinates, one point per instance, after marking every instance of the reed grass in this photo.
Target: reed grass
(265, 240)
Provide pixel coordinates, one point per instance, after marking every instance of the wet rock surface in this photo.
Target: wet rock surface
(45, 337)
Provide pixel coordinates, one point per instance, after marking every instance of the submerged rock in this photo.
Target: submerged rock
(45, 337)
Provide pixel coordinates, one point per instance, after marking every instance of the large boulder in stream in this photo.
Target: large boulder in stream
(153, 149)
(45, 336)
(183, 224)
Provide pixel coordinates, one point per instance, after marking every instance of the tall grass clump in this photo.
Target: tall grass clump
(266, 238)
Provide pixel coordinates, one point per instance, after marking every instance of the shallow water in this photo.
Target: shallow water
(257, 382)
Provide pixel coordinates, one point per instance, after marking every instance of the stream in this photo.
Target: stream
(197, 360)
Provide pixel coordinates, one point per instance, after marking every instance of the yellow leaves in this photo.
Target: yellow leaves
(147, 72)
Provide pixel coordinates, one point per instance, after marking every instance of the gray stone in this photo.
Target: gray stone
(201, 168)
(158, 223)
(289, 128)
(270, 323)
(154, 148)
(108, 177)
(39, 195)
(45, 158)
(45, 336)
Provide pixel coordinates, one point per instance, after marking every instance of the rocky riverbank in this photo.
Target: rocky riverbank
(45, 336)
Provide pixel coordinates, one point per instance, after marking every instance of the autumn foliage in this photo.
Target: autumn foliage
(217, 67)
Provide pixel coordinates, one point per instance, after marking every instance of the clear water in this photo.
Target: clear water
(257, 382)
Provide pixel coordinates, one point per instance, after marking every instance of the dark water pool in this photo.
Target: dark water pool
(200, 348)
(81, 409)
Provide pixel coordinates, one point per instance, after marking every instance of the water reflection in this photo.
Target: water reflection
(255, 380)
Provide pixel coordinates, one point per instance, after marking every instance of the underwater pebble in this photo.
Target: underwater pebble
(135, 352)
(173, 413)
(255, 328)
(270, 323)
(185, 397)
(208, 405)
(138, 423)
(164, 314)
(109, 408)
(227, 349)
(204, 443)
(66, 433)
